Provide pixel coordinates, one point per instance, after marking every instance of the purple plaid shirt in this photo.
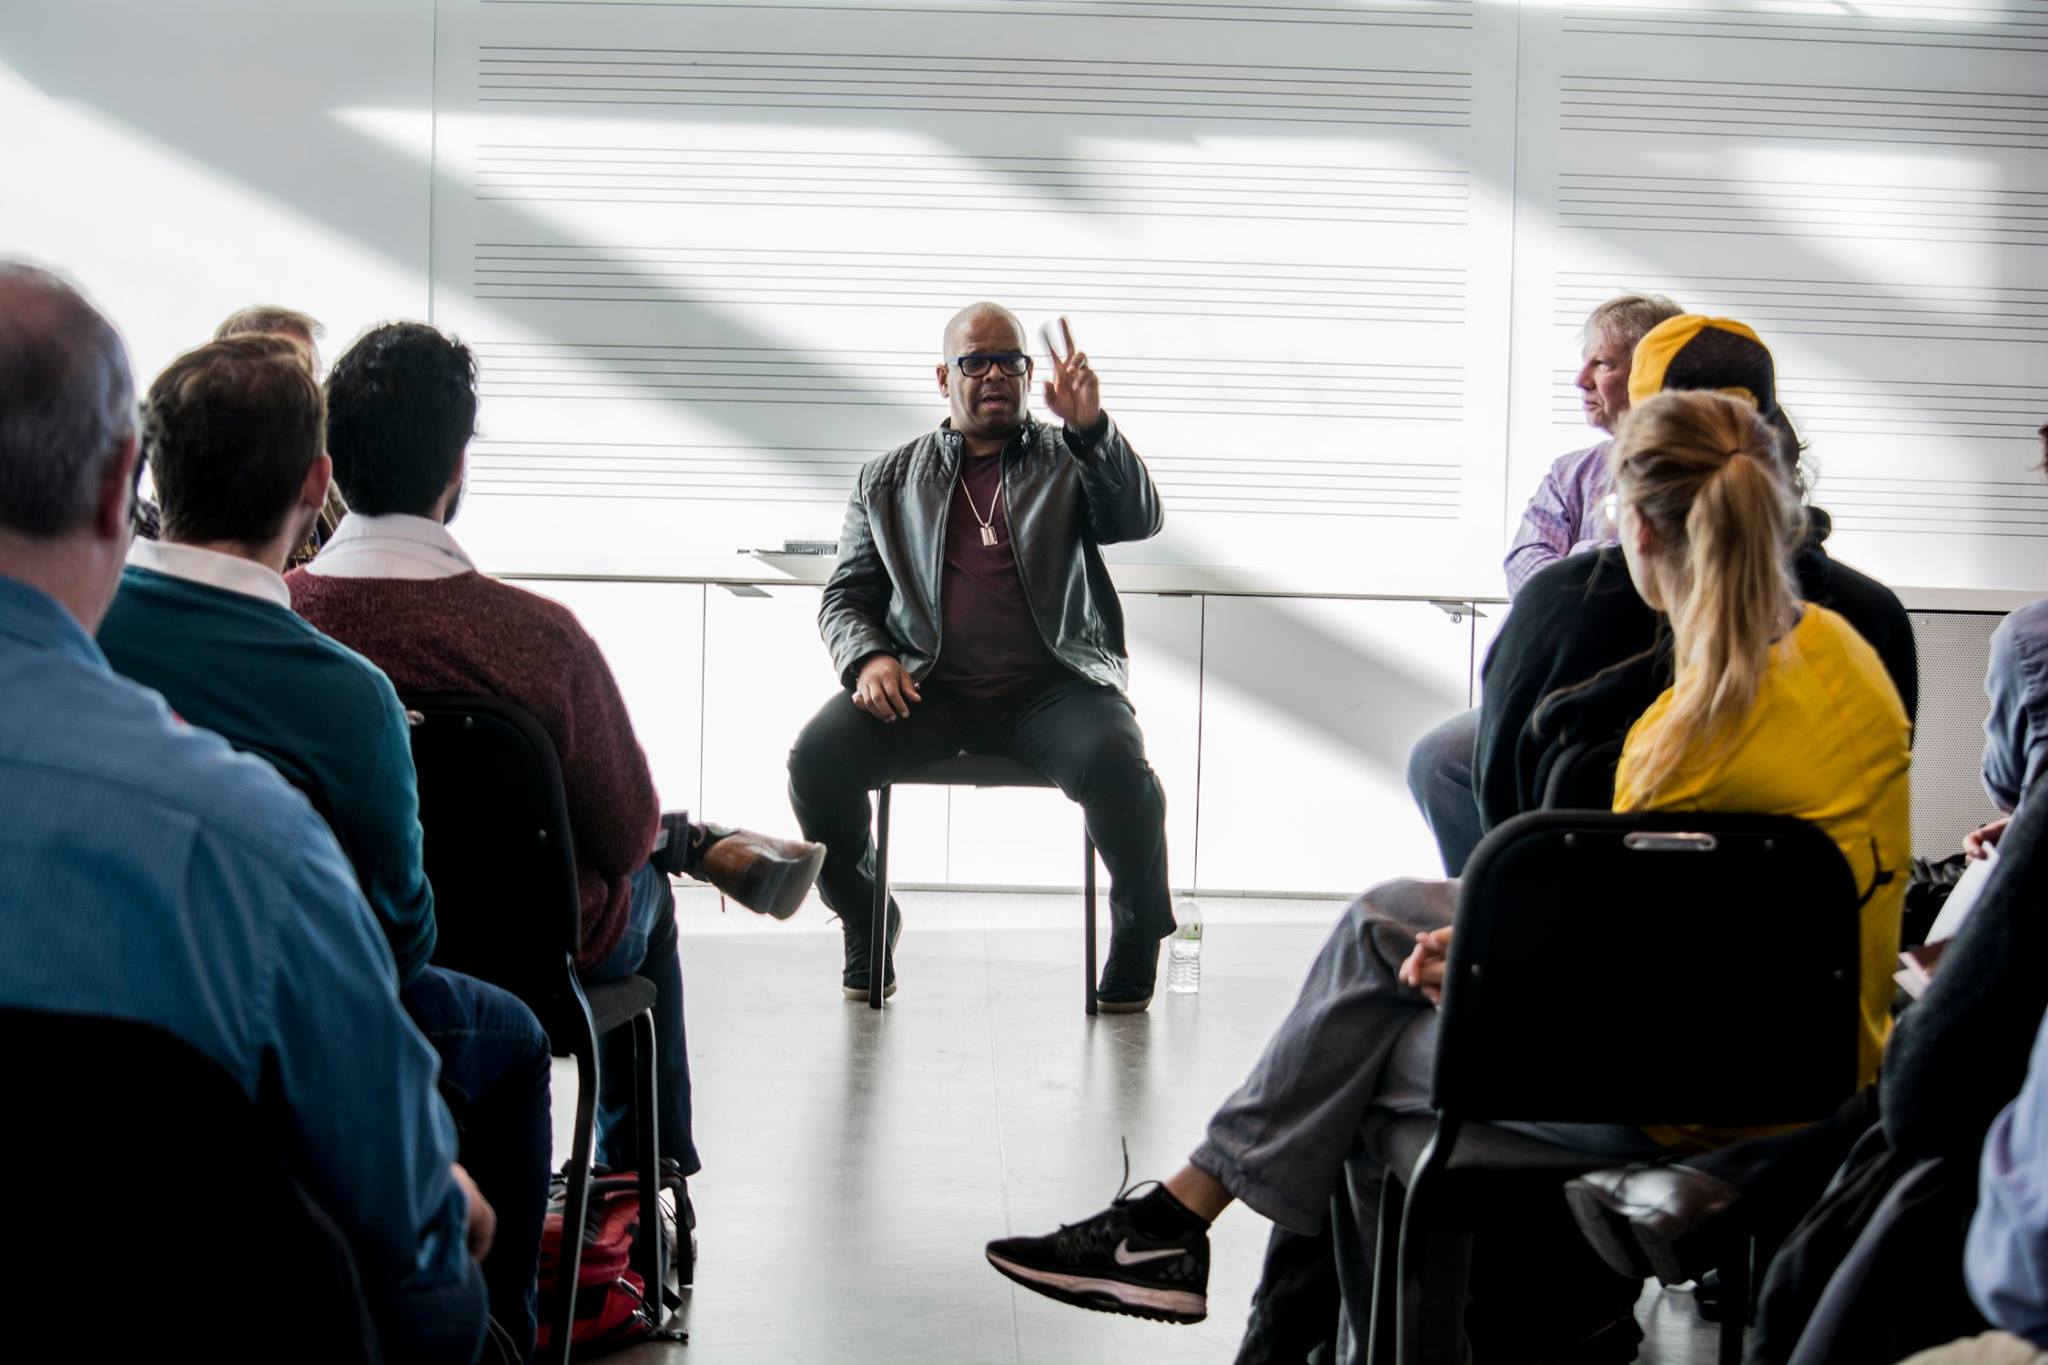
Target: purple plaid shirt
(1564, 516)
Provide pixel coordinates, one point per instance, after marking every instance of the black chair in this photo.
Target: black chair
(503, 868)
(970, 770)
(148, 1182)
(1626, 969)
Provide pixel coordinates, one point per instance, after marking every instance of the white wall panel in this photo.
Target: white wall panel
(1308, 712)
(707, 251)
(1033, 838)
(766, 674)
(1948, 743)
(652, 635)
(183, 160)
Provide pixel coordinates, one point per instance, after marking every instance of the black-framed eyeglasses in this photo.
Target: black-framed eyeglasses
(975, 364)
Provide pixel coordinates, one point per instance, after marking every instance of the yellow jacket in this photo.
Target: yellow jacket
(1827, 741)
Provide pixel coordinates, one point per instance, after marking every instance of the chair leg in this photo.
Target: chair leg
(1381, 1332)
(1430, 1332)
(1088, 909)
(648, 1254)
(576, 1196)
(1735, 1294)
(878, 944)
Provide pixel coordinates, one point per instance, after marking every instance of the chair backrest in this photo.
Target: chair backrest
(1652, 969)
(1581, 776)
(144, 1180)
(498, 845)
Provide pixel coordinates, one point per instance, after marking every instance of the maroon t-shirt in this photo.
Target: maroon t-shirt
(990, 646)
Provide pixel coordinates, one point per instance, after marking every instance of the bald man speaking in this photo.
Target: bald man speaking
(970, 610)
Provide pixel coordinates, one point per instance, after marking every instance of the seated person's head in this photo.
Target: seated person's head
(234, 433)
(1708, 525)
(1719, 354)
(1610, 336)
(266, 319)
(401, 407)
(68, 465)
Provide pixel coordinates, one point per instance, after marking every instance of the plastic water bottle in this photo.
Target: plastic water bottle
(1184, 950)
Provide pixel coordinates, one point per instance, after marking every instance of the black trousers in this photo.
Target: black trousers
(1083, 737)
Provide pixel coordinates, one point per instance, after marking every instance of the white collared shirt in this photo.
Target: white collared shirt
(212, 568)
(390, 546)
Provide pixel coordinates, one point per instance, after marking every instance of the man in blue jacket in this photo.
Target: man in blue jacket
(149, 873)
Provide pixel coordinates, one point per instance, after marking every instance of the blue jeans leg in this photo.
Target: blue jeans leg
(1440, 779)
(648, 949)
(494, 1075)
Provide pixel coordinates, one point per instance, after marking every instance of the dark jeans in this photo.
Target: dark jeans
(442, 1325)
(647, 949)
(494, 1075)
(1083, 737)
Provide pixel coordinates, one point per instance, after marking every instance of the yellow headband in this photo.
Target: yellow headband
(1662, 343)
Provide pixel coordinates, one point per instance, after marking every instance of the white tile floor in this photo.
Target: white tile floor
(855, 1163)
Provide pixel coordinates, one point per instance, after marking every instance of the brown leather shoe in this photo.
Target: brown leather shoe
(1660, 1219)
(760, 871)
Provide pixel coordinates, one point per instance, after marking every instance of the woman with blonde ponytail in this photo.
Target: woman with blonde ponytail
(1712, 528)
(1777, 706)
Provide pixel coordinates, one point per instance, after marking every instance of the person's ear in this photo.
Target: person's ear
(1636, 526)
(114, 500)
(944, 387)
(319, 474)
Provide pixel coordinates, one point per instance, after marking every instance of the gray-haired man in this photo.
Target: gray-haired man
(1566, 515)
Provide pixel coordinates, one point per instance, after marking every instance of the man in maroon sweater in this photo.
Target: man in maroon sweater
(970, 609)
(394, 585)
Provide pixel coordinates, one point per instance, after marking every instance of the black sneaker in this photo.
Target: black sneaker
(1106, 1264)
(1130, 974)
(857, 976)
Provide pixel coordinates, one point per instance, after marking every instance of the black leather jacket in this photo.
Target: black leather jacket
(1066, 495)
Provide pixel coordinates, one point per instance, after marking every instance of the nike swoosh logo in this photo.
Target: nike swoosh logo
(1126, 1256)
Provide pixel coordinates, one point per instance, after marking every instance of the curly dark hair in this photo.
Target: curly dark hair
(401, 407)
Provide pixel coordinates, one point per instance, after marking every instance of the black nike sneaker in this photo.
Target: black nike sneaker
(1107, 1264)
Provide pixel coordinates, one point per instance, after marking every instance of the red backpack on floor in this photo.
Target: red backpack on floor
(612, 1304)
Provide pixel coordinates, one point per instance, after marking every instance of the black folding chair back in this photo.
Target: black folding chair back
(502, 861)
(1619, 969)
(147, 1182)
(1652, 969)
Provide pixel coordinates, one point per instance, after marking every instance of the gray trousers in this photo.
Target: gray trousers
(1293, 1142)
(1440, 780)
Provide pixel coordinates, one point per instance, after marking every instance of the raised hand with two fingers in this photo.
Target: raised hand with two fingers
(1073, 393)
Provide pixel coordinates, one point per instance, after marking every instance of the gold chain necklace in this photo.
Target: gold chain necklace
(988, 530)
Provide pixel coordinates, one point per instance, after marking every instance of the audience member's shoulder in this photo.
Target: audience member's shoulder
(1568, 583)
(1845, 589)
(1582, 460)
(1828, 634)
(517, 608)
(2025, 630)
(126, 739)
(369, 684)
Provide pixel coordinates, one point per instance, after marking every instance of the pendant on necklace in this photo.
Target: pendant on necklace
(988, 535)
